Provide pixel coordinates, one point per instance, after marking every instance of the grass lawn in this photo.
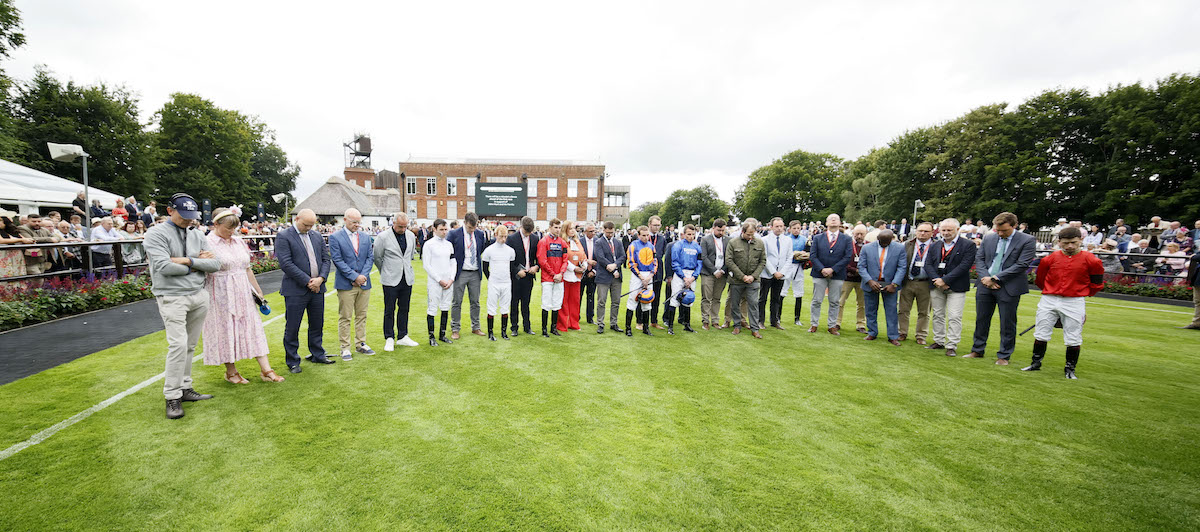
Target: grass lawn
(604, 432)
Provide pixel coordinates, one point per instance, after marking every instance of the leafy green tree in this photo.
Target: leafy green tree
(807, 184)
(682, 204)
(209, 152)
(270, 166)
(11, 38)
(641, 215)
(124, 159)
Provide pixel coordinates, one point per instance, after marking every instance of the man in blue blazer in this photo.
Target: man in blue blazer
(304, 259)
(610, 258)
(1002, 263)
(831, 251)
(948, 267)
(468, 242)
(882, 266)
(353, 259)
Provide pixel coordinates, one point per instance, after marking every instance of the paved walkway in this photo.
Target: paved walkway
(25, 351)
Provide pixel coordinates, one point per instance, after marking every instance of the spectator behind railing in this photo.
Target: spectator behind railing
(36, 259)
(102, 255)
(1112, 263)
(12, 261)
(70, 256)
(1173, 261)
(132, 253)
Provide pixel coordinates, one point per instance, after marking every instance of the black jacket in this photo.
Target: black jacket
(515, 242)
(957, 272)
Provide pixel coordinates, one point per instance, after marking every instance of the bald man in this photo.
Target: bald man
(304, 259)
(353, 259)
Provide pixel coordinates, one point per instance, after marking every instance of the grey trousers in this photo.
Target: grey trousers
(711, 290)
(183, 318)
(748, 294)
(605, 292)
(467, 281)
(820, 285)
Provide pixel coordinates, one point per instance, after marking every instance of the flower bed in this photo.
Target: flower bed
(1126, 285)
(23, 304)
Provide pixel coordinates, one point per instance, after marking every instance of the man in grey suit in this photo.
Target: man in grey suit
(393, 256)
(779, 261)
(610, 258)
(713, 274)
(1001, 262)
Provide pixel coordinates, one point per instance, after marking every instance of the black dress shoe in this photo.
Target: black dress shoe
(529, 331)
(491, 337)
(935, 345)
(191, 395)
(294, 369)
(174, 409)
(629, 331)
(514, 331)
(600, 330)
(617, 329)
(555, 332)
(432, 342)
(445, 340)
(504, 334)
(322, 360)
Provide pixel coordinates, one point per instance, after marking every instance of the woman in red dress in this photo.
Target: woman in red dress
(568, 317)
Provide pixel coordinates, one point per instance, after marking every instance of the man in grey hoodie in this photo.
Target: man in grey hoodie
(179, 257)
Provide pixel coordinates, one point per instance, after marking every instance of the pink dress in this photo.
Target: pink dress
(233, 330)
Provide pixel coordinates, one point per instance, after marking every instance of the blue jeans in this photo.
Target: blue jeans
(889, 313)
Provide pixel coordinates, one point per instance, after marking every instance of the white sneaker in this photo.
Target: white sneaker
(346, 355)
(406, 341)
(389, 345)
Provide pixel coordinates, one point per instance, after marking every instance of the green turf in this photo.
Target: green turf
(604, 432)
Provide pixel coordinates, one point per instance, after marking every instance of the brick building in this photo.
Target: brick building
(445, 188)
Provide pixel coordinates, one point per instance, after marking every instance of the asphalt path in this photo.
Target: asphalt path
(29, 350)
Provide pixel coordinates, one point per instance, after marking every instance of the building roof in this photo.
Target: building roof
(548, 162)
(24, 185)
(337, 195)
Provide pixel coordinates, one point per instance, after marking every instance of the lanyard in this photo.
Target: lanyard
(946, 250)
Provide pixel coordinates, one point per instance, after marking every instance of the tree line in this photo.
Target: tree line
(1131, 151)
(188, 145)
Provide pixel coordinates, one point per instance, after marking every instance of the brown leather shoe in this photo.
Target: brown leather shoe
(812, 329)
(935, 345)
(951, 353)
(894, 342)
(658, 326)
(869, 338)
(737, 330)
(478, 332)
(834, 331)
(903, 337)
(704, 326)
(756, 334)
(973, 354)
(723, 325)
(921, 341)
(859, 329)
(1002, 362)
(778, 326)
(454, 336)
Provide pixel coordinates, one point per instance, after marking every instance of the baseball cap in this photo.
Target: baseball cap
(185, 206)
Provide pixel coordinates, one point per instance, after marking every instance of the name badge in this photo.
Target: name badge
(919, 263)
(941, 265)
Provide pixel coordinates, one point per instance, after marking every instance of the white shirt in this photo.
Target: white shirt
(719, 262)
(438, 258)
(499, 256)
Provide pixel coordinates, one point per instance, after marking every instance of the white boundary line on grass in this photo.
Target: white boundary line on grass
(44, 434)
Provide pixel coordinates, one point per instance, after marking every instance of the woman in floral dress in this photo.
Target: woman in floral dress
(12, 261)
(233, 330)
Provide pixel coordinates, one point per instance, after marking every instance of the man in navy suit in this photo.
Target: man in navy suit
(304, 259)
(523, 272)
(660, 241)
(610, 258)
(353, 259)
(882, 266)
(1002, 263)
(830, 253)
(468, 242)
(948, 267)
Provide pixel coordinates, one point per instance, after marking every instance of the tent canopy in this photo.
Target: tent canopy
(30, 189)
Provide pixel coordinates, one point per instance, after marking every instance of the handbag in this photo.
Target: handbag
(263, 307)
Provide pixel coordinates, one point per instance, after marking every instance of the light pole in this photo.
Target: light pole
(282, 196)
(916, 205)
(67, 153)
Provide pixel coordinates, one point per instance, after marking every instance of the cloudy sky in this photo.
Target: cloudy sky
(666, 94)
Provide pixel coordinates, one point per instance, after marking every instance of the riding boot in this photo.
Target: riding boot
(669, 319)
(646, 315)
(1072, 359)
(442, 327)
(432, 338)
(1039, 351)
(504, 326)
(629, 322)
(799, 305)
(545, 314)
(685, 318)
(491, 327)
(554, 323)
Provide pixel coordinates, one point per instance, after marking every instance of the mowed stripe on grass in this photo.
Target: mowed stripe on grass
(601, 432)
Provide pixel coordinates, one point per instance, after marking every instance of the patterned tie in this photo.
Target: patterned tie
(916, 270)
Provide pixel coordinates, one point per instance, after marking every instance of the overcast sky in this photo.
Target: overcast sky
(667, 95)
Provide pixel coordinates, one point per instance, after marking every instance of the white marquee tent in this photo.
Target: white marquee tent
(27, 190)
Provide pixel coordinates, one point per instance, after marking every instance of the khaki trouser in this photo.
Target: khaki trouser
(915, 291)
(947, 310)
(1196, 302)
(352, 303)
(711, 289)
(861, 311)
(35, 268)
(183, 318)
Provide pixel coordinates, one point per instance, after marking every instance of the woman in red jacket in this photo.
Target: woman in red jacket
(568, 318)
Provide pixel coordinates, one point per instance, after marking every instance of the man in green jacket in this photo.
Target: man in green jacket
(745, 257)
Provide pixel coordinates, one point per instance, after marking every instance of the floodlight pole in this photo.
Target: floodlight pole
(87, 208)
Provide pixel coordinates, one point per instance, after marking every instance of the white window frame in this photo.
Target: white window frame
(531, 209)
(573, 188)
(431, 209)
(572, 211)
(412, 208)
(593, 188)
(452, 186)
(593, 211)
(471, 187)
(451, 210)
(410, 185)
(431, 186)
(552, 188)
